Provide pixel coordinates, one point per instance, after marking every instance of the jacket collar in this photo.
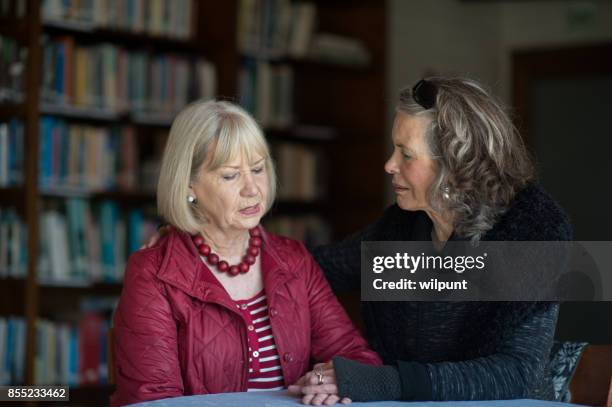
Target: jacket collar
(182, 268)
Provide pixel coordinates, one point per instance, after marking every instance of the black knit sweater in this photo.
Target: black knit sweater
(451, 350)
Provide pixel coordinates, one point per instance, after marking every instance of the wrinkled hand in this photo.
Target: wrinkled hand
(318, 394)
(156, 236)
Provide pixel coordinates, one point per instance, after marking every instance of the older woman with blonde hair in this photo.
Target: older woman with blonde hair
(460, 171)
(219, 304)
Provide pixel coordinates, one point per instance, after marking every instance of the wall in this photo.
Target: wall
(546, 24)
(476, 38)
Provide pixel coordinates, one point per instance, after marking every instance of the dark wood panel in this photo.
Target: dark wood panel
(12, 292)
(531, 65)
(34, 75)
(13, 28)
(13, 197)
(85, 33)
(220, 33)
(11, 111)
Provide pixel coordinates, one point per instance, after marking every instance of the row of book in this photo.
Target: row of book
(12, 9)
(275, 28)
(13, 61)
(109, 77)
(170, 18)
(89, 242)
(310, 229)
(75, 353)
(339, 50)
(86, 157)
(301, 172)
(11, 153)
(12, 350)
(13, 244)
(266, 91)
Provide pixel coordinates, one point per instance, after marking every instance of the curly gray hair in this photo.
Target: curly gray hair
(482, 160)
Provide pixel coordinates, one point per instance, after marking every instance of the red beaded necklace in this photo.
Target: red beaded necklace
(247, 261)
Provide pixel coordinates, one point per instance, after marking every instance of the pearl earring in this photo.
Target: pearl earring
(191, 199)
(446, 192)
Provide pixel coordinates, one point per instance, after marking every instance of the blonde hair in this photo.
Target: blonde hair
(226, 128)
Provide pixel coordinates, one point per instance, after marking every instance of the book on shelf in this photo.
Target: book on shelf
(13, 61)
(11, 153)
(112, 78)
(310, 229)
(12, 350)
(301, 172)
(12, 9)
(303, 21)
(275, 28)
(280, 29)
(266, 90)
(92, 330)
(88, 158)
(13, 244)
(167, 18)
(56, 354)
(127, 158)
(74, 352)
(340, 50)
(88, 243)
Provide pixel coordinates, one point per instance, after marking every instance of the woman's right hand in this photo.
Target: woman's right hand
(156, 236)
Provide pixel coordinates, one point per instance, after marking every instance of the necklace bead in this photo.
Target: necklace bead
(250, 260)
(234, 270)
(223, 266)
(213, 259)
(255, 242)
(204, 249)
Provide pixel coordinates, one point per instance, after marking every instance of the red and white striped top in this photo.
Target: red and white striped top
(264, 363)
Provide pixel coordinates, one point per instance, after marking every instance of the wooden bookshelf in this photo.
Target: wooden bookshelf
(11, 293)
(89, 33)
(12, 197)
(353, 100)
(30, 297)
(103, 117)
(9, 111)
(338, 109)
(11, 28)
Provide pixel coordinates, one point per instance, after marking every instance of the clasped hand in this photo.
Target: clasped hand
(318, 387)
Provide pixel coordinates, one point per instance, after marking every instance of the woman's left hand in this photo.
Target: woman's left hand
(318, 387)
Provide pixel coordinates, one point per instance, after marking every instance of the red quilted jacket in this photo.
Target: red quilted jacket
(177, 331)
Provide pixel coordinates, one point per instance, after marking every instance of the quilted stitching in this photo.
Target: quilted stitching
(165, 298)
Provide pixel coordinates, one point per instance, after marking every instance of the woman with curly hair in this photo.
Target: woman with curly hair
(460, 171)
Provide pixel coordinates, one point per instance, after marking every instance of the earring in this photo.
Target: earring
(446, 192)
(191, 199)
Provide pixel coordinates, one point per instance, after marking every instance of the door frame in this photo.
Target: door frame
(530, 65)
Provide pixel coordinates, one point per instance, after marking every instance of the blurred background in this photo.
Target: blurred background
(89, 88)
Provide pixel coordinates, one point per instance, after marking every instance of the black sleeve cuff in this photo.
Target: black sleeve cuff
(361, 382)
(416, 382)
